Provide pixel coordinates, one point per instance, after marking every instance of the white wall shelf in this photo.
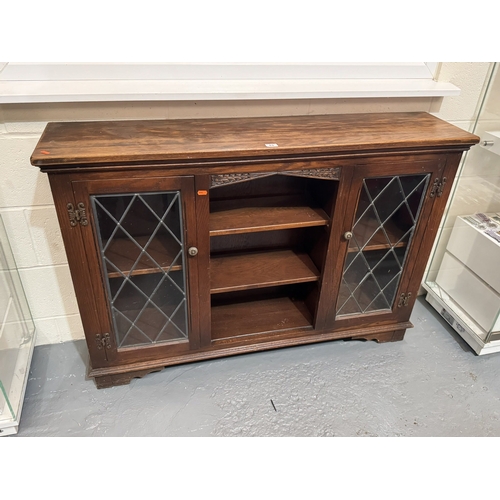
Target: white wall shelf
(38, 83)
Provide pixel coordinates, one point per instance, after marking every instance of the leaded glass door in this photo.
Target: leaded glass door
(380, 243)
(140, 232)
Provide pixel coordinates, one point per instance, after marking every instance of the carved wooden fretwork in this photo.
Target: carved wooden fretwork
(318, 173)
(223, 179)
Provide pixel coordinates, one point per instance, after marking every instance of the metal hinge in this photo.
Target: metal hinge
(437, 187)
(103, 341)
(77, 216)
(404, 299)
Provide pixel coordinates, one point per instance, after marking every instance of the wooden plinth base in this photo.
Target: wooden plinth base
(106, 381)
(393, 336)
(112, 379)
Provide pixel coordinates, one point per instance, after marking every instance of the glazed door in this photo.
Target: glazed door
(383, 235)
(140, 242)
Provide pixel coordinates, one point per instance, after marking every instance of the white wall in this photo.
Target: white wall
(26, 202)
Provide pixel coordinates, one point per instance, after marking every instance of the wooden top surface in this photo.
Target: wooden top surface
(133, 141)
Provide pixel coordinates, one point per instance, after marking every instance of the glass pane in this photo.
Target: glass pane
(389, 200)
(477, 190)
(367, 290)
(17, 338)
(141, 244)
(376, 185)
(383, 227)
(378, 304)
(386, 269)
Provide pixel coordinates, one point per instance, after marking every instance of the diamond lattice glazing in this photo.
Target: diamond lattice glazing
(141, 243)
(384, 224)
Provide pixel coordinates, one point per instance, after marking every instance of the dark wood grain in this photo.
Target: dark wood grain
(394, 336)
(260, 270)
(84, 276)
(266, 187)
(255, 219)
(106, 381)
(416, 267)
(202, 201)
(264, 240)
(258, 316)
(242, 345)
(164, 140)
(345, 203)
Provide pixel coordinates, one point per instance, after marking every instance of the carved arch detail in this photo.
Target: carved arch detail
(317, 173)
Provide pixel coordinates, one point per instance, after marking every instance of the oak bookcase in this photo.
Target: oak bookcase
(195, 239)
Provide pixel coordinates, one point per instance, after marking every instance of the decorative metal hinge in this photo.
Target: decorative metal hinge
(103, 341)
(437, 187)
(77, 216)
(404, 299)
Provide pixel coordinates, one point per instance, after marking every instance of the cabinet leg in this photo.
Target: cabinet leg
(105, 381)
(393, 336)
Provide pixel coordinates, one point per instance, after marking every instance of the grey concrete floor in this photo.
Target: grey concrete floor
(429, 384)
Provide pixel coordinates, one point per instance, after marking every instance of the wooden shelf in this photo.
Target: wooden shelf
(258, 316)
(260, 269)
(122, 252)
(254, 219)
(378, 242)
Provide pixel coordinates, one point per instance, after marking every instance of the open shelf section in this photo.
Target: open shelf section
(260, 269)
(239, 319)
(123, 253)
(254, 219)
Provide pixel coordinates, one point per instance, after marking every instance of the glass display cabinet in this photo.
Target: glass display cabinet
(17, 339)
(463, 280)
